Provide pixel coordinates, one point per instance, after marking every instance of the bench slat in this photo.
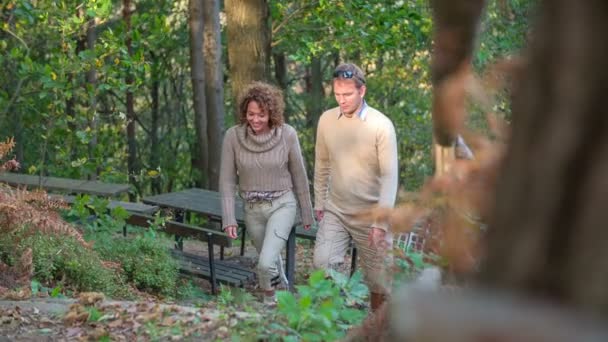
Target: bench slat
(134, 207)
(204, 261)
(199, 266)
(182, 229)
(64, 184)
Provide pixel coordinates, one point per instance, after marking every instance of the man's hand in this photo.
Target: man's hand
(232, 231)
(306, 227)
(319, 215)
(377, 238)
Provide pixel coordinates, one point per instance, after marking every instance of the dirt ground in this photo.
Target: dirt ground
(49, 319)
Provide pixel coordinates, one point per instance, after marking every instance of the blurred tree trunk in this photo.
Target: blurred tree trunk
(92, 92)
(248, 42)
(548, 235)
(214, 88)
(132, 164)
(197, 72)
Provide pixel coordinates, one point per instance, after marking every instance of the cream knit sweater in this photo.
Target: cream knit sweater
(267, 162)
(356, 164)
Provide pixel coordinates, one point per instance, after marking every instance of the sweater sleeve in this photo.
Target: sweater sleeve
(299, 177)
(389, 169)
(228, 180)
(322, 168)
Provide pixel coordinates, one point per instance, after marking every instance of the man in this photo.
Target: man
(356, 170)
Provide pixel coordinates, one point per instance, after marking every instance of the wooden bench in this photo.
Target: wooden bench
(66, 185)
(205, 267)
(133, 207)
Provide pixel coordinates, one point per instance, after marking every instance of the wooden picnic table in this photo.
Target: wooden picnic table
(72, 186)
(205, 202)
(208, 203)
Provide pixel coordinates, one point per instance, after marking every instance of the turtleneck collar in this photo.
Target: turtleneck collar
(258, 142)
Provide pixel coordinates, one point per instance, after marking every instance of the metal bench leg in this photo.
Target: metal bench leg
(291, 258)
(353, 263)
(243, 242)
(211, 263)
(179, 241)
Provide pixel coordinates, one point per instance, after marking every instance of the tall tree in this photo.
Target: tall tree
(197, 73)
(315, 93)
(155, 121)
(91, 85)
(248, 42)
(132, 164)
(214, 88)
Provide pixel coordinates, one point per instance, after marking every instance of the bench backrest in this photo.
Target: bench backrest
(185, 230)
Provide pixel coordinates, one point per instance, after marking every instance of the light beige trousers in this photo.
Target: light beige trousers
(333, 239)
(269, 225)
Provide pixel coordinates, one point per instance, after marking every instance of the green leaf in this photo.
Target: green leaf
(56, 292)
(35, 286)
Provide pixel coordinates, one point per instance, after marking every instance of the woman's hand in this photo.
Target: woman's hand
(232, 231)
(306, 227)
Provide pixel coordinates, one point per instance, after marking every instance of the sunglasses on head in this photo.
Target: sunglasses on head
(347, 74)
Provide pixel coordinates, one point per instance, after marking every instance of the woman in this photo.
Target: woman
(262, 154)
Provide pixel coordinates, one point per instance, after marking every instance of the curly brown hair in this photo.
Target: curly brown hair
(268, 97)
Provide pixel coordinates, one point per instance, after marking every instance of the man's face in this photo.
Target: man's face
(348, 96)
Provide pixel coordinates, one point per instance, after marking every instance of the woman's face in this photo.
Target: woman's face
(257, 118)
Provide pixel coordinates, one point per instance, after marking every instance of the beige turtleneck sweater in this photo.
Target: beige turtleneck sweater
(356, 165)
(265, 162)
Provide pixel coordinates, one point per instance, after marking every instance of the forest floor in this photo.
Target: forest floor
(90, 317)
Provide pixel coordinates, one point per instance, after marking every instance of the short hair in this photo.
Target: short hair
(350, 71)
(268, 97)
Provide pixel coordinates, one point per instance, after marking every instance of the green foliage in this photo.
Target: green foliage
(411, 263)
(63, 260)
(324, 309)
(145, 260)
(229, 296)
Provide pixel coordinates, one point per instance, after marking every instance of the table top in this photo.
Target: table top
(200, 201)
(64, 184)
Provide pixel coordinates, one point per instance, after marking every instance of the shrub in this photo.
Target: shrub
(145, 260)
(324, 309)
(65, 260)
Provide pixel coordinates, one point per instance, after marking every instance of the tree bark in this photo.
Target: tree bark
(154, 125)
(280, 75)
(197, 74)
(548, 235)
(248, 42)
(132, 164)
(316, 94)
(92, 91)
(214, 88)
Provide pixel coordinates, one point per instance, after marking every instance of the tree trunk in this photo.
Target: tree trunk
(197, 74)
(92, 91)
(248, 42)
(280, 75)
(548, 235)
(154, 141)
(132, 164)
(316, 94)
(214, 88)
(456, 23)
